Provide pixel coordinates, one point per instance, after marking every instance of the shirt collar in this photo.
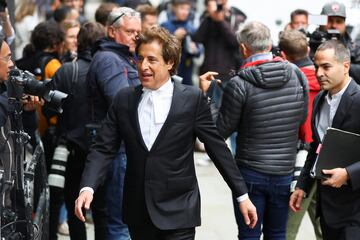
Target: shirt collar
(338, 95)
(259, 56)
(167, 87)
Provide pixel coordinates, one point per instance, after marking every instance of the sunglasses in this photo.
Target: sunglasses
(130, 14)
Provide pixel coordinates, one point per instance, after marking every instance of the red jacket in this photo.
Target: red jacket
(305, 133)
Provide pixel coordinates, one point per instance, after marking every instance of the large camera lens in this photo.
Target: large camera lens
(56, 177)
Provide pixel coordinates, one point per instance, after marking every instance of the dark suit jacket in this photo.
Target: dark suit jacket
(161, 181)
(339, 207)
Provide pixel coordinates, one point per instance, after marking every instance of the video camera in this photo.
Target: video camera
(317, 37)
(23, 82)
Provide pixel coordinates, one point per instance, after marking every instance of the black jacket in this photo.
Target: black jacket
(75, 115)
(339, 207)
(221, 47)
(265, 104)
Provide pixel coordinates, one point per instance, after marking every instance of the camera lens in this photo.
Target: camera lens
(58, 166)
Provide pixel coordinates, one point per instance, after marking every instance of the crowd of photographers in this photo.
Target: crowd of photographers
(89, 62)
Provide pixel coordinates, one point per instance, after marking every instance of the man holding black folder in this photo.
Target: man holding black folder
(337, 106)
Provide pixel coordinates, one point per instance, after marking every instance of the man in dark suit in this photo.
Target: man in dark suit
(337, 106)
(158, 121)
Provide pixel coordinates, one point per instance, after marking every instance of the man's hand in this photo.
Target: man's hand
(248, 210)
(338, 177)
(296, 199)
(180, 33)
(31, 102)
(84, 200)
(205, 80)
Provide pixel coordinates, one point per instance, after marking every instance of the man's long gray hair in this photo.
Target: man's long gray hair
(255, 36)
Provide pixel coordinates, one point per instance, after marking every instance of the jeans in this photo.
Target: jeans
(117, 229)
(63, 214)
(270, 195)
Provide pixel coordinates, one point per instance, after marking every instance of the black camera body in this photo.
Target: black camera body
(317, 37)
(23, 82)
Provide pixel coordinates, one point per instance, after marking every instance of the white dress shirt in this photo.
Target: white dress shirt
(153, 110)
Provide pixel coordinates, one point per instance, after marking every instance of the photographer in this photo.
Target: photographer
(7, 152)
(336, 13)
(6, 64)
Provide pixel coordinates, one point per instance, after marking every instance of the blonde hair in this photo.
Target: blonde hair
(27, 7)
(67, 24)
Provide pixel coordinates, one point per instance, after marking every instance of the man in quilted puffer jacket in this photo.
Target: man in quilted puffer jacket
(265, 103)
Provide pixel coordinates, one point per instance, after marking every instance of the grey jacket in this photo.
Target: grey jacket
(265, 104)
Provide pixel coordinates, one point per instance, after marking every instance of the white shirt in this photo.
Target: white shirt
(153, 110)
(328, 111)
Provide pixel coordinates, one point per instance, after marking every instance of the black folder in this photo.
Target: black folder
(339, 149)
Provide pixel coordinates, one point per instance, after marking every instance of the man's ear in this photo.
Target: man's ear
(283, 55)
(170, 65)
(346, 67)
(111, 32)
(244, 50)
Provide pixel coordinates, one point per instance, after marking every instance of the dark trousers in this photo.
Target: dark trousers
(150, 232)
(344, 233)
(74, 169)
(270, 195)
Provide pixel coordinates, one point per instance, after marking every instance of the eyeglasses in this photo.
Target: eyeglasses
(6, 59)
(130, 14)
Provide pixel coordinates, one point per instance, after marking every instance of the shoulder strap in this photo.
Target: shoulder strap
(75, 75)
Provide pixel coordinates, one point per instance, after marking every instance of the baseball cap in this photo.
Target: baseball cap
(334, 9)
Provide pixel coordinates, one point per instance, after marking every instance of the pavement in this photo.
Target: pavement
(218, 222)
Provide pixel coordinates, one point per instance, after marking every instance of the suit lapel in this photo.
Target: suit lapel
(344, 105)
(134, 103)
(177, 104)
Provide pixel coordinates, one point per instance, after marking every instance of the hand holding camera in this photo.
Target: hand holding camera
(31, 102)
(216, 11)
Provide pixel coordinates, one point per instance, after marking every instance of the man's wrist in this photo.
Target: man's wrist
(242, 198)
(87, 189)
